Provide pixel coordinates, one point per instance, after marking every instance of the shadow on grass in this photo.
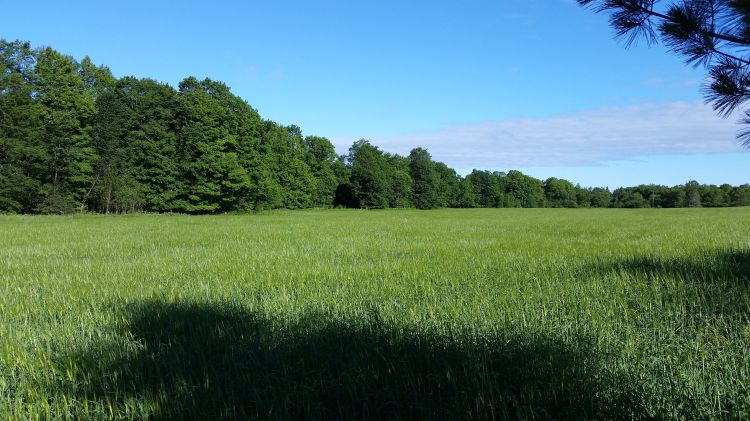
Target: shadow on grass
(731, 267)
(712, 282)
(201, 361)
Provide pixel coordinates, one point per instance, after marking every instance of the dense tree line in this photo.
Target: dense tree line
(75, 138)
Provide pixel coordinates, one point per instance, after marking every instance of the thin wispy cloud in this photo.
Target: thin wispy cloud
(586, 138)
(681, 83)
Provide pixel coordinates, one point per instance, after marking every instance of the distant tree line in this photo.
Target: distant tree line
(75, 138)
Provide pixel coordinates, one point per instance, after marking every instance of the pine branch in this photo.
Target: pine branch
(637, 6)
(690, 29)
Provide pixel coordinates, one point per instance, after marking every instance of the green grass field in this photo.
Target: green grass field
(504, 313)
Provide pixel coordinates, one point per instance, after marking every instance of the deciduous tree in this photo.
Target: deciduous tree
(424, 179)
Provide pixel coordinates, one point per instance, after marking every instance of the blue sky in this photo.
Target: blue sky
(536, 85)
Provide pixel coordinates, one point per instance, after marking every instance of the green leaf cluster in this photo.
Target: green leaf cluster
(75, 138)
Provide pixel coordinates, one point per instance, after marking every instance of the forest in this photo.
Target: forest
(75, 138)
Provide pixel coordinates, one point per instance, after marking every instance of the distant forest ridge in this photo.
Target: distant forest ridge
(75, 138)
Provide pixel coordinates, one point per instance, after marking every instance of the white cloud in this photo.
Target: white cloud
(586, 138)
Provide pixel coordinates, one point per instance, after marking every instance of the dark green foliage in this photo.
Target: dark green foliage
(378, 180)
(425, 180)
(400, 181)
(653, 194)
(152, 142)
(522, 190)
(482, 189)
(369, 177)
(209, 146)
(281, 174)
(448, 186)
(321, 159)
(114, 187)
(714, 196)
(583, 196)
(75, 138)
(673, 197)
(67, 117)
(23, 153)
(96, 79)
(343, 196)
(741, 195)
(560, 193)
(601, 197)
(692, 194)
(468, 197)
(628, 198)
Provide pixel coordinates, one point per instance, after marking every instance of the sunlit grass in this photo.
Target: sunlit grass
(381, 314)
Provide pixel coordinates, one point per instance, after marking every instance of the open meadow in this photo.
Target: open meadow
(348, 314)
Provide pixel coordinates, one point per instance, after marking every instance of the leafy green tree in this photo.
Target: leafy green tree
(68, 113)
(113, 121)
(286, 178)
(583, 196)
(468, 197)
(692, 194)
(369, 177)
(484, 189)
(727, 190)
(399, 180)
(673, 197)
(448, 186)
(629, 198)
(634, 200)
(560, 193)
(601, 197)
(208, 140)
(654, 194)
(153, 143)
(344, 195)
(713, 33)
(23, 153)
(321, 159)
(113, 186)
(72, 136)
(741, 195)
(713, 196)
(522, 190)
(424, 178)
(96, 79)
(135, 138)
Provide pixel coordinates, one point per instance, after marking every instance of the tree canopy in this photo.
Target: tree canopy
(75, 138)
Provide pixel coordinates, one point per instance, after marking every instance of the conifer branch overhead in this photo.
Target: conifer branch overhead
(710, 33)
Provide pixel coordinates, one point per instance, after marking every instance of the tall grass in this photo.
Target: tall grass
(384, 314)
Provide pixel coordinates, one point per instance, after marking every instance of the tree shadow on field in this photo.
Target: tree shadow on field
(727, 265)
(220, 361)
(719, 280)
